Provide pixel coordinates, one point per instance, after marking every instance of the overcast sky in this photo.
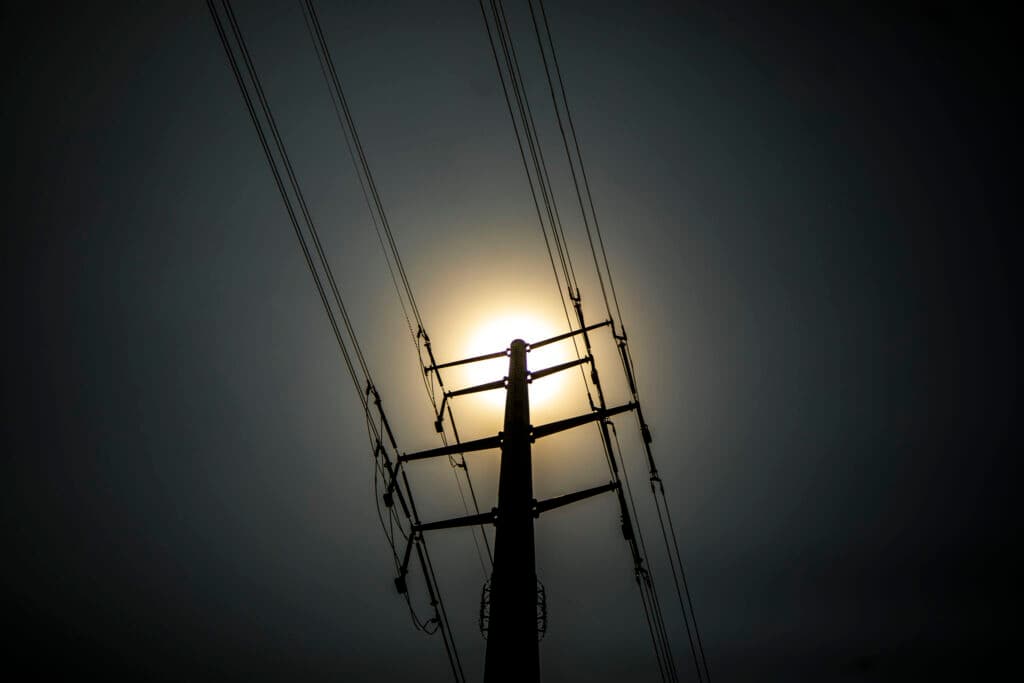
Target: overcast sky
(808, 217)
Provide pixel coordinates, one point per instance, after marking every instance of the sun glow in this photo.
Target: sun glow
(495, 335)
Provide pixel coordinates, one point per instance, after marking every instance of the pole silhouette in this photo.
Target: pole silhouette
(512, 649)
(513, 609)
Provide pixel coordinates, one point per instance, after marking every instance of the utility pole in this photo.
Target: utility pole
(512, 649)
(514, 609)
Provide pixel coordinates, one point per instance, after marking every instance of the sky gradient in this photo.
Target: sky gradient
(808, 217)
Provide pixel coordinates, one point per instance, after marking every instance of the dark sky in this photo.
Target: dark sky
(809, 220)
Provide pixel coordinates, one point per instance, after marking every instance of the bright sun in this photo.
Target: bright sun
(497, 334)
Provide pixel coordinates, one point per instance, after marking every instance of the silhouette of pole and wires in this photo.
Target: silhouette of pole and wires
(513, 613)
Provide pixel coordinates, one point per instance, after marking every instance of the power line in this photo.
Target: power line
(579, 155)
(662, 640)
(558, 233)
(500, 30)
(648, 591)
(685, 586)
(568, 154)
(264, 107)
(391, 253)
(272, 163)
(359, 169)
(296, 189)
(533, 141)
(673, 548)
(540, 173)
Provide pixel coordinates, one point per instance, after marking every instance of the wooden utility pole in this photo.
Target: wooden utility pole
(512, 649)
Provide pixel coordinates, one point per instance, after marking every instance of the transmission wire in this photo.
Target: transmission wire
(369, 187)
(304, 208)
(267, 113)
(536, 151)
(647, 588)
(659, 621)
(272, 163)
(627, 361)
(498, 28)
(568, 154)
(579, 156)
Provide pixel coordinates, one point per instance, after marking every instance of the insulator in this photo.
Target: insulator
(646, 431)
(542, 611)
(400, 585)
(627, 366)
(627, 530)
(485, 609)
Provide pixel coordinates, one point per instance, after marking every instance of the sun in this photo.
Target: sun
(496, 334)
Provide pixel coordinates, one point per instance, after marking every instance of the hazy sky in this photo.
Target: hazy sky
(808, 217)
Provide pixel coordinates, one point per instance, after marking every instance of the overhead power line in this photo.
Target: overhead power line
(588, 214)
(539, 181)
(263, 121)
(388, 461)
(379, 217)
(675, 559)
(524, 121)
(657, 485)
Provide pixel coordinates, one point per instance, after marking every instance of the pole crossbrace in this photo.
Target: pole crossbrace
(435, 366)
(558, 501)
(455, 522)
(512, 629)
(464, 361)
(566, 335)
(491, 517)
(572, 422)
(530, 376)
(487, 386)
(464, 447)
